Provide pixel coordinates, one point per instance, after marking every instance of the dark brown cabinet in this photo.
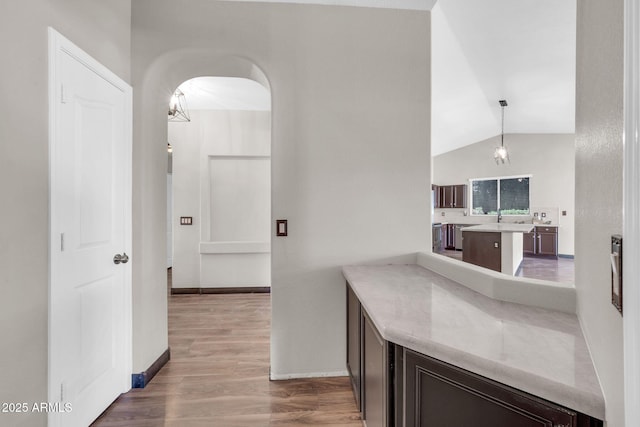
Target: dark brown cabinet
(354, 326)
(439, 394)
(529, 243)
(375, 376)
(450, 196)
(482, 248)
(395, 386)
(370, 365)
(449, 236)
(542, 241)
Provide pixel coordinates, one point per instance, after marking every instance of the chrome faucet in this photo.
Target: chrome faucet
(499, 216)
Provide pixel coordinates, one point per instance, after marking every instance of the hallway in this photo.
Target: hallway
(218, 374)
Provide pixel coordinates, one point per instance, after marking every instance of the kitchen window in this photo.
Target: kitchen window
(509, 194)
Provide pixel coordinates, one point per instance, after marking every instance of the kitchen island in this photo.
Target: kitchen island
(494, 246)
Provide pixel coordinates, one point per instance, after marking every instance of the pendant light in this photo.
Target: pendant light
(178, 111)
(501, 154)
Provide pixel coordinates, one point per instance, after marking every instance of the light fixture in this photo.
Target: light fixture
(178, 111)
(501, 154)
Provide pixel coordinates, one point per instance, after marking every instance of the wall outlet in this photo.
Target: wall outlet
(442, 213)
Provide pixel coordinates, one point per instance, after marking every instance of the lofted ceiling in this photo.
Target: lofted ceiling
(482, 51)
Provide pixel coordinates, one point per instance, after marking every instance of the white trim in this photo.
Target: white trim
(383, 4)
(58, 44)
(631, 230)
(277, 377)
(526, 175)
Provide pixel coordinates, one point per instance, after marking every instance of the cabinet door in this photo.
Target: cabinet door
(529, 243)
(438, 394)
(446, 196)
(374, 375)
(547, 244)
(482, 248)
(437, 202)
(353, 343)
(450, 236)
(459, 196)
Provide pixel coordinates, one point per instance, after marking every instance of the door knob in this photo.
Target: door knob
(124, 258)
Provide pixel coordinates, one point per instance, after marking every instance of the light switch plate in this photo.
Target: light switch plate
(281, 227)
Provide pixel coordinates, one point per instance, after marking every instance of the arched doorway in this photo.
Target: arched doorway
(219, 132)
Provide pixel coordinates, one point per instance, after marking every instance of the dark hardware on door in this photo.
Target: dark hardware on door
(124, 258)
(616, 271)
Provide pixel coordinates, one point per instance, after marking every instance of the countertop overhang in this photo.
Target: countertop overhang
(540, 351)
(502, 227)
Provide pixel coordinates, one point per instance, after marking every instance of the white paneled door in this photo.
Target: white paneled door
(90, 211)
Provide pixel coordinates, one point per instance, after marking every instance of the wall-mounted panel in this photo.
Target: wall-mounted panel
(239, 198)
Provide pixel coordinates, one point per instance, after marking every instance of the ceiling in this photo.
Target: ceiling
(225, 93)
(482, 51)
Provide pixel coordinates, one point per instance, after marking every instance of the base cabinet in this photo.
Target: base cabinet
(439, 394)
(375, 376)
(542, 241)
(354, 327)
(482, 248)
(395, 387)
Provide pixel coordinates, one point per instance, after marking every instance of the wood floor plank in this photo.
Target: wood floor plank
(218, 375)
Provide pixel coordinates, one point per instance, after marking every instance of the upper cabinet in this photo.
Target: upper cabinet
(450, 196)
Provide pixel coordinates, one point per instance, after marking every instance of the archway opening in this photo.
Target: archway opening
(220, 170)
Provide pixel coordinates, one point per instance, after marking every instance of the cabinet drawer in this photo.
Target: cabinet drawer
(543, 229)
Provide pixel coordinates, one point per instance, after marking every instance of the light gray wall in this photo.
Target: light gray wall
(599, 155)
(103, 30)
(548, 157)
(350, 148)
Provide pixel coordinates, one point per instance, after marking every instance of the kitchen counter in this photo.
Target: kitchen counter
(502, 227)
(536, 350)
(497, 246)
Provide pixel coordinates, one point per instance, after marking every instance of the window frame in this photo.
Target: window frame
(498, 179)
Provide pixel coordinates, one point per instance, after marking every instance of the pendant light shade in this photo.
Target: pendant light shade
(178, 111)
(500, 155)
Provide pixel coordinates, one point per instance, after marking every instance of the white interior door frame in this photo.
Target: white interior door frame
(59, 45)
(631, 243)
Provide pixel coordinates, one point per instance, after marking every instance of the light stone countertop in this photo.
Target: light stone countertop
(539, 351)
(503, 227)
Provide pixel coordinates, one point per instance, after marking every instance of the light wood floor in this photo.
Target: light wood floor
(218, 375)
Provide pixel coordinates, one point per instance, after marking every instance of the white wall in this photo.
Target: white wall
(549, 158)
(599, 159)
(222, 179)
(103, 30)
(350, 146)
